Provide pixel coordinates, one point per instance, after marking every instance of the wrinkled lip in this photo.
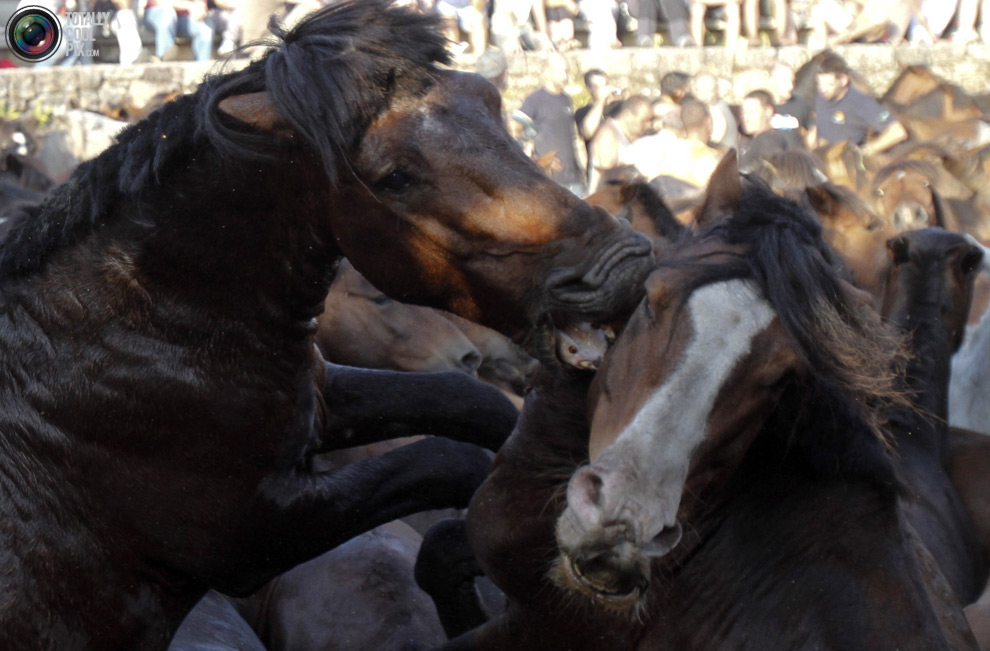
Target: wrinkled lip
(594, 291)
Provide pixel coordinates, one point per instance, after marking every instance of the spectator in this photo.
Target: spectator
(467, 18)
(125, 27)
(699, 9)
(560, 23)
(689, 158)
(759, 138)
(883, 20)
(604, 103)
(829, 17)
(675, 12)
(966, 21)
(792, 111)
(493, 66)
(519, 25)
(611, 142)
(724, 130)
(846, 113)
(939, 14)
(674, 88)
(224, 16)
(552, 116)
(171, 18)
(602, 27)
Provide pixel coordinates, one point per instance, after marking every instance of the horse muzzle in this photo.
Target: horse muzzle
(608, 283)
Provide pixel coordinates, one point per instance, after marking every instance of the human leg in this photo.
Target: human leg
(751, 20)
(163, 21)
(732, 24)
(201, 33)
(677, 14)
(125, 26)
(698, 11)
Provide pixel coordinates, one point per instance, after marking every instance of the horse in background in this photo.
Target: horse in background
(361, 326)
(919, 92)
(927, 296)
(163, 395)
(970, 383)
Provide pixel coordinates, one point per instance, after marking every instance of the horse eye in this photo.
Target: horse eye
(395, 182)
(879, 192)
(380, 299)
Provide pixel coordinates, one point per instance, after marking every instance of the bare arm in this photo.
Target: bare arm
(605, 148)
(893, 134)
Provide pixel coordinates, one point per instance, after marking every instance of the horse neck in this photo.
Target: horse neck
(809, 435)
(927, 373)
(250, 239)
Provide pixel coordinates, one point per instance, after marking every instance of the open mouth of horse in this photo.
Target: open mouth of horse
(598, 577)
(613, 280)
(616, 576)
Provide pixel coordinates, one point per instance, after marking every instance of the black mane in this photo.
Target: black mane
(854, 360)
(328, 79)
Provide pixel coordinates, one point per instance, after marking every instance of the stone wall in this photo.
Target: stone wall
(639, 69)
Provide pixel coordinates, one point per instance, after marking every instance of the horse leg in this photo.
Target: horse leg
(445, 569)
(303, 515)
(367, 405)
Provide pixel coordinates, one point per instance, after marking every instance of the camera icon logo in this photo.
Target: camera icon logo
(34, 33)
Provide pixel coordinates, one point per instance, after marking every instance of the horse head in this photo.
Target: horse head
(432, 200)
(749, 309)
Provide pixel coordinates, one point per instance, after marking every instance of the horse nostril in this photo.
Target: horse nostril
(471, 361)
(664, 541)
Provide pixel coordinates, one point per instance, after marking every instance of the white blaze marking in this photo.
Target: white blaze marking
(657, 444)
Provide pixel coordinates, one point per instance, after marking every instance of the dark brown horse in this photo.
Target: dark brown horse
(927, 296)
(739, 489)
(162, 395)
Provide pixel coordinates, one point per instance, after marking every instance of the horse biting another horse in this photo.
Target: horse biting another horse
(738, 486)
(162, 395)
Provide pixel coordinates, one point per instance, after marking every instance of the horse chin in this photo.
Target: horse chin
(596, 578)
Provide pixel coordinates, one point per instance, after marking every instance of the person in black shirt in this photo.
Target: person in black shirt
(846, 113)
(605, 103)
(759, 138)
(552, 115)
(792, 111)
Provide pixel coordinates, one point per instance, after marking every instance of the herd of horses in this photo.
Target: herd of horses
(318, 294)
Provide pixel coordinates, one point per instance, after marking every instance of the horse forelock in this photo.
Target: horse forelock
(333, 74)
(853, 357)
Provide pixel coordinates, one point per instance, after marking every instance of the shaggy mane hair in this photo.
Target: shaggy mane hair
(854, 360)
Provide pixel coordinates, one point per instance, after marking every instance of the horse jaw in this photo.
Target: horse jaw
(622, 509)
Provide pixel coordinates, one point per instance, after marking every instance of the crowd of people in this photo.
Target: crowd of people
(218, 27)
(681, 136)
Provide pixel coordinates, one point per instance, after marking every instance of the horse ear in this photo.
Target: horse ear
(254, 109)
(821, 199)
(898, 247)
(723, 193)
